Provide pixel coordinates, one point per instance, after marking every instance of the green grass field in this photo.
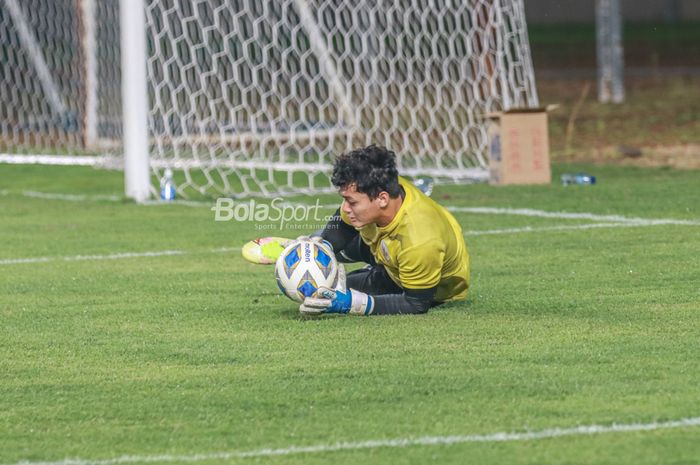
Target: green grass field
(137, 334)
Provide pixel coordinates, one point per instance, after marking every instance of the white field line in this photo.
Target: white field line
(478, 210)
(115, 256)
(164, 253)
(526, 229)
(98, 198)
(187, 203)
(69, 197)
(610, 221)
(569, 216)
(375, 444)
(538, 213)
(148, 203)
(571, 227)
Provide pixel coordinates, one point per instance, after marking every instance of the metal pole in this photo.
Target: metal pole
(89, 44)
(134, 99)
(36, 57)
(501, 50)
(610, 52)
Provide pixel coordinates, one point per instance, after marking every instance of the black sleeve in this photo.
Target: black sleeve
(338, 233)
(411, 302)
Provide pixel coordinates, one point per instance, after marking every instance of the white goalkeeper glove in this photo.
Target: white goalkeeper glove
(338, 300)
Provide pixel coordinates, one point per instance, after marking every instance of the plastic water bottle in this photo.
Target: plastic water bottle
(425, 184)
(167, 186)
(577, 178)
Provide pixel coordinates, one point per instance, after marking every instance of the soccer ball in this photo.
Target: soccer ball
(303, 267)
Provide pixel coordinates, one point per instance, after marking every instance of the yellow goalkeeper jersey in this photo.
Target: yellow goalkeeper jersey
(422, 247)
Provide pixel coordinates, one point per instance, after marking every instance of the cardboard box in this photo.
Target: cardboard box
(519, 146)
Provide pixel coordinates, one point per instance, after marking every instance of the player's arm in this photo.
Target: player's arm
(340, 235)
(411, 302)
(345, 240)
(420, 270)
(337, 232)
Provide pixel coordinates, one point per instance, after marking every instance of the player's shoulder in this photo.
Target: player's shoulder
(424, 226)
(421, 211)
(419, 231)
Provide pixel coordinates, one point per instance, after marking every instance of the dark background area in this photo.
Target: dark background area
(659, 121)
(649, 48)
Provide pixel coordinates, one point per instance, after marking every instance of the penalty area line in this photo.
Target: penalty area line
(587, 430)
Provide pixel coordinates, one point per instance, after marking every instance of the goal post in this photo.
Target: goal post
(247, 98)
(135, 100)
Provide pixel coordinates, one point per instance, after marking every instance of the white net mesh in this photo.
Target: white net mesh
(44, 80)
(250, 97)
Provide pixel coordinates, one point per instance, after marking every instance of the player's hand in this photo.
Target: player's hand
(338, 300)
(323, 297)
(330, 301)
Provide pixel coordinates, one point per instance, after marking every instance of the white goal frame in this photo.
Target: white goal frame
(248, 98)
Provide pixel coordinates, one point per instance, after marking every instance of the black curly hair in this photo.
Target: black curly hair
(372, 169)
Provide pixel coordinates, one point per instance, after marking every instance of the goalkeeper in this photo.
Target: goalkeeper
(414, 247)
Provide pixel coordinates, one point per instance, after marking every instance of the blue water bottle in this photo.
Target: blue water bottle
(167, 186)
(577, 178)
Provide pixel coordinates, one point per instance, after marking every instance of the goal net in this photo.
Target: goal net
(249, 97)
(59, 80)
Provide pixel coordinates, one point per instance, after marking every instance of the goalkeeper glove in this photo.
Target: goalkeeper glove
(350, 301)
(338, 300)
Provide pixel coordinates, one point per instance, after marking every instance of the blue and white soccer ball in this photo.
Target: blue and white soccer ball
(303, 267)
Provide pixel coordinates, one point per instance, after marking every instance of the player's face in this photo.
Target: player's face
(360, 209)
